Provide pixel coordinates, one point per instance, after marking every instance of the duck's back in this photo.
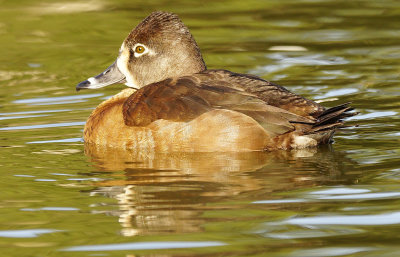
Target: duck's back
(270, 93)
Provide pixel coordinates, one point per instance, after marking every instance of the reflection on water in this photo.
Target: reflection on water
(164, 192)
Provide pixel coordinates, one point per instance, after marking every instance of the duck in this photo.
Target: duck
(173, 103)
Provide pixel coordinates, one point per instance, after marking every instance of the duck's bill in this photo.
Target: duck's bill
(111, 75)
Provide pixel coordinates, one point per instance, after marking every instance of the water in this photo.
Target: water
(60, 198)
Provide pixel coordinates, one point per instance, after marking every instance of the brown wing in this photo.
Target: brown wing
(270, 93)
(188, 97)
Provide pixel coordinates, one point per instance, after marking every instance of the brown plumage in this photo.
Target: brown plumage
(179, 105)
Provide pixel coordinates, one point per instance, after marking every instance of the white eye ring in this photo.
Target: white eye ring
(139, 50)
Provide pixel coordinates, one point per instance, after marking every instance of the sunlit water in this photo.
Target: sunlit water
(60, 198)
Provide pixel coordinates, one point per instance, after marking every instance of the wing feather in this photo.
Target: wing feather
(186, 98)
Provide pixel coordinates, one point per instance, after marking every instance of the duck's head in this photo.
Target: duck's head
(160, 47)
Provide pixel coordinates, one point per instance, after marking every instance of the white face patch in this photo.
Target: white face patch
(122, 64)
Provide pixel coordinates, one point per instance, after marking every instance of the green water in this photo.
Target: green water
(58, 198)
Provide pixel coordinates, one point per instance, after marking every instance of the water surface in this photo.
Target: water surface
(62, 198)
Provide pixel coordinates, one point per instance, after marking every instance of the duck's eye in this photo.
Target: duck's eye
(139, 49)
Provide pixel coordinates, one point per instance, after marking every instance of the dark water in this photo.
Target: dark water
(60, 198)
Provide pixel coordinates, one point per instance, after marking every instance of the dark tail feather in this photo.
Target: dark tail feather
(335, 108)
(332, 118)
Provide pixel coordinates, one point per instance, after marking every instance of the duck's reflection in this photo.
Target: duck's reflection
(161, 192)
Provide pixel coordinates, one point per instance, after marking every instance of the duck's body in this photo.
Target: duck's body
(179, 105)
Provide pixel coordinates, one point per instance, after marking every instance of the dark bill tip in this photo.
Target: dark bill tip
(83, 85)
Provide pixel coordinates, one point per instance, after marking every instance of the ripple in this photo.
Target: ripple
(314, 59)
(22, 117)
(331, 251)
(371, 196)
(284, 61)
(66, 7)
(367, 220)
(26, 233)
(281, 201)
(51, 125)
(34, 112)
(62, 174)
(306, 233)
(340, 191)
(338, 92)
(66, 140)
(373, 114)
(335, 194)
(144, 246)
(57, 100)
(51, 209)
(85, 179)
(328, 35)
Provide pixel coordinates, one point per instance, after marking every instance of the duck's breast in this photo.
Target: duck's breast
(216, 130)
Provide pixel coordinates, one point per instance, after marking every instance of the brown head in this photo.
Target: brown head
(160, 47)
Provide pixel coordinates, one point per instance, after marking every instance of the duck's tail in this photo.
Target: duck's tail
(329, 121)
(333, 118)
